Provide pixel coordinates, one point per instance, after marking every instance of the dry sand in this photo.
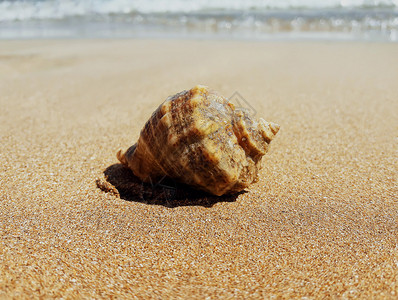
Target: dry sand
(321, 222)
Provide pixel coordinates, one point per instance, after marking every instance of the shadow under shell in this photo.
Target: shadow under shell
(120, 181)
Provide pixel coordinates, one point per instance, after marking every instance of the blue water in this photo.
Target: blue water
(210, 19)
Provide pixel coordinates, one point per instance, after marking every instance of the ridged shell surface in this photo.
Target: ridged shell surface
(197, 137)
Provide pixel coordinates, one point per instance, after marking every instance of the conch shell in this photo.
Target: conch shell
(198, 138)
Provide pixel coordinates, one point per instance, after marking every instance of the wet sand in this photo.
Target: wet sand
(321, 222)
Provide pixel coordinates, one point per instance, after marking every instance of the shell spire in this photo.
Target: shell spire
(197, 137)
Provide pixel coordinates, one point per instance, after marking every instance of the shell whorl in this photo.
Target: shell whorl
(197, 137)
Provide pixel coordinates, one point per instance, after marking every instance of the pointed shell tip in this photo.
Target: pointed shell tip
(274, 127)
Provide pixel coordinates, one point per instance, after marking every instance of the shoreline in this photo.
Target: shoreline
(333, 20)
(295, 37)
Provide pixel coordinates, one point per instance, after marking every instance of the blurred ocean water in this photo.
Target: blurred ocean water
(374, 20)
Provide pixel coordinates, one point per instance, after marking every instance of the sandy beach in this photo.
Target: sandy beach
(322, 221)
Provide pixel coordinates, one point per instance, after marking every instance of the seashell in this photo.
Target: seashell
(199, 138)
